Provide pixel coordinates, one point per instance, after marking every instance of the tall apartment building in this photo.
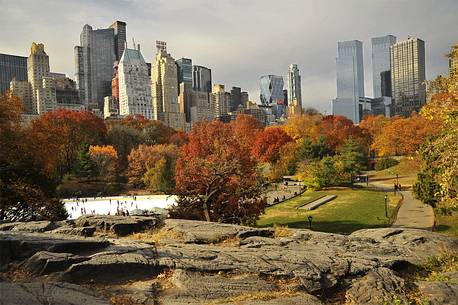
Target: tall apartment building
(350, 80)
(41, 82)
(407, 76)
(380, 61)
(201, 106)
(201, 79)
(219, 101)
(134, 85)
(11, 67)
(294, 86)
(453, 61)
(164, 89)
(94, 61)
(23, 90)
(119, 31)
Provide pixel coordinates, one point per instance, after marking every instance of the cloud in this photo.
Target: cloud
(240, 40)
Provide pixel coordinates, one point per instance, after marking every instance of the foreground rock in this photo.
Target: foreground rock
(192, 262)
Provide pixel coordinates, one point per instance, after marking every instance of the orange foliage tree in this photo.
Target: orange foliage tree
(403, 136)
(104, 158)
(216, 177)
(145, 157)
(65, 131)
(267, 146)
(304, 126)
(246, 128)
(337, 129)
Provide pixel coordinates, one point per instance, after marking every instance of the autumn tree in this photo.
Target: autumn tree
(403, 136)
(144, 158)
(266, 147)
(304, 126)
(246, 128)
(65, 131)
(337, 129)
(216, 177)
(27, 182)
(105, 159)
(374, 124)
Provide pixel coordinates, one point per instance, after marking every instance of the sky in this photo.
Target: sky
(240, 40)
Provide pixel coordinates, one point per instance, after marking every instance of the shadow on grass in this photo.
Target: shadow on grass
(340, 227)
(441, 228)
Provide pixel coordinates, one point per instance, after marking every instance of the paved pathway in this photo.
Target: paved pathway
(414, 214)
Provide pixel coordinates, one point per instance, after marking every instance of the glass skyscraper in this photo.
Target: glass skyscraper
(350, 79)
(380, 60)
(11, 66)
(408, 76)
(271, 90)
(201, 79)
(184, 70)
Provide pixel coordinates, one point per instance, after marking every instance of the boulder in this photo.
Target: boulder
(379, 286)
(35, 226)
(120, 225)
(78, 231)
(37, 293)
(44, 262)
(439, 293)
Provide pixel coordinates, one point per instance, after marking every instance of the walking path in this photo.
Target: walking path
(413, 213)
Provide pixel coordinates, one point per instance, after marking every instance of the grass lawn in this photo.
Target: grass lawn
(353, 209)
(407, 170)
(447, 224)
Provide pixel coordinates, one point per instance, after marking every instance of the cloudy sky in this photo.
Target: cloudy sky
(240, 40)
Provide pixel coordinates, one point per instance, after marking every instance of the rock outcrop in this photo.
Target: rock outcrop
(193, 262)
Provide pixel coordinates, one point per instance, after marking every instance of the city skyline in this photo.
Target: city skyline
(246, 55)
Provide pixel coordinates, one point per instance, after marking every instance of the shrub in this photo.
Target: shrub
(385, 163)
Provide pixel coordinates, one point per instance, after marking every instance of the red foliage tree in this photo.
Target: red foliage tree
(216, 177)
(266, 147)
(337, 129)
(65, 131)
(246, 128)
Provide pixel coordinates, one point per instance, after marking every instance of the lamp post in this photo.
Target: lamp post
(386, 205)
(310, 218)
(397, 179)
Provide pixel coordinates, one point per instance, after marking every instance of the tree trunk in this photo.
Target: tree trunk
(206, 213)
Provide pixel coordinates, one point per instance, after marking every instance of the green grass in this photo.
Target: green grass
(447, 224)
(407, 170)
(353, 209)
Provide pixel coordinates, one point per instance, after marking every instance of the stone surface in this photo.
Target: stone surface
(379, 286)
(47, 294)
(118, 224)
(78, 231)
(44, 262)
(202, 261)
(35, 226)
(440, 293)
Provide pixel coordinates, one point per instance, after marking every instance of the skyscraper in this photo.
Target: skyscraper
(350, 80)
(453, 61)
(201, 79)
(236, 99)
(184, 66)
(119, 28)
(11, 67)
(271, 90)
(380, 60)
(164, 89)
(408, 76)
(40, 79)
(184, 70)
(94, 61)
(219, 101)
(294, 86)
(134, 85)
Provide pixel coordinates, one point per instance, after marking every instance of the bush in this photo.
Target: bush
(385, 163)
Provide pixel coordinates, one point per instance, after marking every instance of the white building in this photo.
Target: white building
(294, 86)
(134, 86)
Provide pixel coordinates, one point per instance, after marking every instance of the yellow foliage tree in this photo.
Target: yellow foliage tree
(105, 158)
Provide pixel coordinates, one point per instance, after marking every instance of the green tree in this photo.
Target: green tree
(160, 177)
(353, 157)
(85, 167)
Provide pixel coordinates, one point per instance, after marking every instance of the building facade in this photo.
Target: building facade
(380, 60)
(134, 85)
(201, 79)
(164, 90)
(350, 79)
(294, 86)
(120, 35)
(235, 99)
(453, 62)
(408, 76)
(219, 101)
(94, 60)
(23, 90)
(11, 67)
(200, 106)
